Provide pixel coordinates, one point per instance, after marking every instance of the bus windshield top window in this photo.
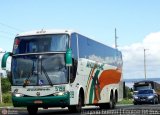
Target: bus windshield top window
(41, 43)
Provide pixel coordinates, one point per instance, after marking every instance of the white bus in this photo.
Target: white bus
(62, 68)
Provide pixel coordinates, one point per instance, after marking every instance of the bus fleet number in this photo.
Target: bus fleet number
(59, 88)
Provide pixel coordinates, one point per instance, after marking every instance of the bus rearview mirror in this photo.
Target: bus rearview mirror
(68, 57)
(4, 60)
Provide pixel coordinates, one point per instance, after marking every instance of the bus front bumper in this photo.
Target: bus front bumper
(45, 101)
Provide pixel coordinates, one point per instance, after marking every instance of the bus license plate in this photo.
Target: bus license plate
(38, 102)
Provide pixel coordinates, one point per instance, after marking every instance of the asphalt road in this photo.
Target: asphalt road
(89, 110)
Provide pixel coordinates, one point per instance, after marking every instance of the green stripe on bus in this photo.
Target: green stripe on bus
(92, 87)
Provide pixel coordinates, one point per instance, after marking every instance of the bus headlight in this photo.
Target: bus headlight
(18, 94)
(60, 93)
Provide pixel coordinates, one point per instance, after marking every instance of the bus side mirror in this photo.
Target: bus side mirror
(4, 60)
(68, 57)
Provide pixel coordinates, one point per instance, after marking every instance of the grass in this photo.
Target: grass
(6, 104)
(126, 101)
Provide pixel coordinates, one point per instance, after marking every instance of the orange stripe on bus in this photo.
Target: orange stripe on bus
(108, 77)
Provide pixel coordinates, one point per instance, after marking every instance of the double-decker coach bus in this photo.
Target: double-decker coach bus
(62, 68)
(147, 84)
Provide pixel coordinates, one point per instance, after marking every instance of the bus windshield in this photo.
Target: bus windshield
(40, 43)
(39, 69)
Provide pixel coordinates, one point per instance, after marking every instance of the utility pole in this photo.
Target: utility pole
(1, 90)
(116, 39)
(145, 75)
(1, 85)
(116, 47)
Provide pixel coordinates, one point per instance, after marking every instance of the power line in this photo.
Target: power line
(6, 36)
(11, 27)
(5, 32)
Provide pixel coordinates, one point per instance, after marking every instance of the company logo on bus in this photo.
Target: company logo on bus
(38, 93)
(38, 89)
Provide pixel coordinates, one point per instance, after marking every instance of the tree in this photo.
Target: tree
(6, 85)
(128, 92)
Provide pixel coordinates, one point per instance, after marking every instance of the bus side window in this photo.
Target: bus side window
(73, 70)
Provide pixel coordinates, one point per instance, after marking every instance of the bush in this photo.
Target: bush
(128, 93)
(7, 98)
(126, 101)
(6, 85)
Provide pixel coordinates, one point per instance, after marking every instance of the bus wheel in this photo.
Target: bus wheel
(32, 110)
(110, 105)
(77, 108)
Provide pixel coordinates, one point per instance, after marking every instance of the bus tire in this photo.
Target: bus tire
(32, 110)
(111, 104)
(76, 108)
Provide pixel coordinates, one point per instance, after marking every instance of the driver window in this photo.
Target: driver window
(73, 70)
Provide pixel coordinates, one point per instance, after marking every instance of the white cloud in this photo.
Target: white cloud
(1, 49)
(133, 57)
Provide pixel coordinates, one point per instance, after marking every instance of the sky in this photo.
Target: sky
(137, 23)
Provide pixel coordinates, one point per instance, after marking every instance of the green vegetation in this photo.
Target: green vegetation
(128, 93)
(6, 95)
(126, 101)
(6, 98)
(6, 85)
(5, 104)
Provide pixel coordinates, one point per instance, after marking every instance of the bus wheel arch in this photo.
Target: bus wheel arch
(81, 93)
(111, 103)
(78, 107)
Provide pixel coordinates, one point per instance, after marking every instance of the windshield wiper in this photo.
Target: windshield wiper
(45, 73)
(26, 82)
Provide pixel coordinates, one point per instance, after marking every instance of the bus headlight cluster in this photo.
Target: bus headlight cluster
(60, 93)
(18, 94)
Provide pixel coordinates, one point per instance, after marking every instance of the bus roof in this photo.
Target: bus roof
(42, 32)
(53, 31)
